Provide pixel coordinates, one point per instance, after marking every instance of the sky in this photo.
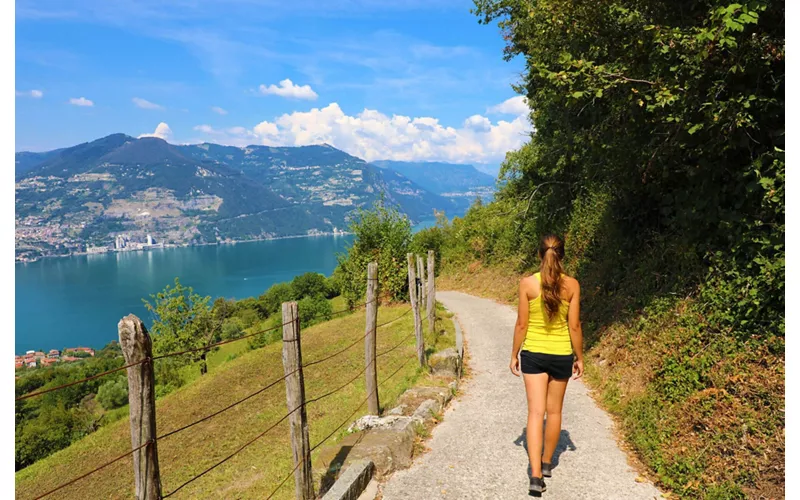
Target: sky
(417, 80)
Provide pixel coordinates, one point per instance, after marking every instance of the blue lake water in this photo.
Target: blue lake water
(78, 301)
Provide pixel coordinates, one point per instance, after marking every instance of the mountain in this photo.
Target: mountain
(87, 195)
(440, 178)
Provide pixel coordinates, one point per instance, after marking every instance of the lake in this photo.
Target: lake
(78, 301)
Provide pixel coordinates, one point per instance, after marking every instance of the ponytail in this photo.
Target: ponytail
(551, 251)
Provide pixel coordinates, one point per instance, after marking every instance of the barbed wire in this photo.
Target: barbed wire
(64, 485)
(268, 386)
(278, 380)
(187, 351)
(337, 428)
(103, 374)
(275, 424)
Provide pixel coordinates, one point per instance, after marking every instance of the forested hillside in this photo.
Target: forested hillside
(658, 153)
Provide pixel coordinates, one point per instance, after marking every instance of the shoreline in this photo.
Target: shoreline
(185, 245)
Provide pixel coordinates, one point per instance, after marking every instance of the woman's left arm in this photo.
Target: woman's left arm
(520, 328)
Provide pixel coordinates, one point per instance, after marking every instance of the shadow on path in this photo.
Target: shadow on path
(564, 444)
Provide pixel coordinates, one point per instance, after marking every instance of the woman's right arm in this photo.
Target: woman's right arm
(575, 330)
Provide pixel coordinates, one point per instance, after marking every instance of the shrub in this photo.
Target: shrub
(382, 235)
(113, 394)
(313, 310)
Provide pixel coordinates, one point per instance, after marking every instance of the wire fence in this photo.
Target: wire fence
(187, 351)
(273, 383)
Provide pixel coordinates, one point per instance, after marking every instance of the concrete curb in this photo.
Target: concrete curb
(353, 481)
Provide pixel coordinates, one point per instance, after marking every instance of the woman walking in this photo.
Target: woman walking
(548, 331)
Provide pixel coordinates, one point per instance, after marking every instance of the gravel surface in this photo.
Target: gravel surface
(478, 451)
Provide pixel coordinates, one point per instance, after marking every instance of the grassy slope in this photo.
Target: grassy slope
(257, 470)
(722, 442)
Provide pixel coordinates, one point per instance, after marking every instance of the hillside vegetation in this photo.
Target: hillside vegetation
(658, 154)
(257, 470)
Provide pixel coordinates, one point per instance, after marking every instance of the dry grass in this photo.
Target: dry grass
(494, 283)
(730, 436)
(258, 469)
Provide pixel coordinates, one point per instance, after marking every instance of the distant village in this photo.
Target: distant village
(123, 243)
(34, 359)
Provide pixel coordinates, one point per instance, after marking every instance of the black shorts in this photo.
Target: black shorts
(557, 366)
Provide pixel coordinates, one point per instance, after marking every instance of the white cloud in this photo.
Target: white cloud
(478, 122)
(372, 135)
(514, 106)
(145, 104)
(289, 89)
(81, 101)
(162, 132)
(36, 94)
(218, 110)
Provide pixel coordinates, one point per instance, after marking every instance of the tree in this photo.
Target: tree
(382, 235)
(113, 394)
(308, 285)
(182, 320)
(271, 300)
(313, 309)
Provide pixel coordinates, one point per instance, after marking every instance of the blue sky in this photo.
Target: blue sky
(408, 80)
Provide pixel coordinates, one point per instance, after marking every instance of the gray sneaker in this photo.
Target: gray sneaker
(547, 469)
(537, 486)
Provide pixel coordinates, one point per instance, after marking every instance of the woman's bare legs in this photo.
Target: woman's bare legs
(536, 390)
(552, 432)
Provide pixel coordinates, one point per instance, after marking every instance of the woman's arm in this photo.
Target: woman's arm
(575, 330)
(520, 328)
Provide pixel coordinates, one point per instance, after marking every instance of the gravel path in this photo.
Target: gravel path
(478, 452)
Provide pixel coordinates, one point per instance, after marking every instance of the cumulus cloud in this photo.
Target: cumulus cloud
(81, 101)
(36, 94)
(162, 132)
(290, 90)
(145, 104)
(218, 110)
(478, 122)
(372, 135)
(514, 106)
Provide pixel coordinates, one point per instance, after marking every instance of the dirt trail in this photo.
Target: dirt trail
(478, 451)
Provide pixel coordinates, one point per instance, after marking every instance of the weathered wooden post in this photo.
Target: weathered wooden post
(295, 402)
(138, 348)
(421, 281)
(370, 338)
(431, 291)
(412, 292)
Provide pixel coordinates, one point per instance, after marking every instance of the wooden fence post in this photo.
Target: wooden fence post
(412, 292)
(295, 402)
(422, 287)
(370, 338)
(431, 291)
(138, 348)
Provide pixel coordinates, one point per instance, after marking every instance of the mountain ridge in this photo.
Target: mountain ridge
(73, 199)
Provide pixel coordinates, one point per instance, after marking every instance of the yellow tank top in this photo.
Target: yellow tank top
(544, 336)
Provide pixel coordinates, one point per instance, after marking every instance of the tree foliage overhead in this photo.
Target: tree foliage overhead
(672, 114)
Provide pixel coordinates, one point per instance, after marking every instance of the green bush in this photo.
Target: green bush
(113, 394)
(308, 285)
(271, 300)
(382, 235)
(232, 328)
(313, 310)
